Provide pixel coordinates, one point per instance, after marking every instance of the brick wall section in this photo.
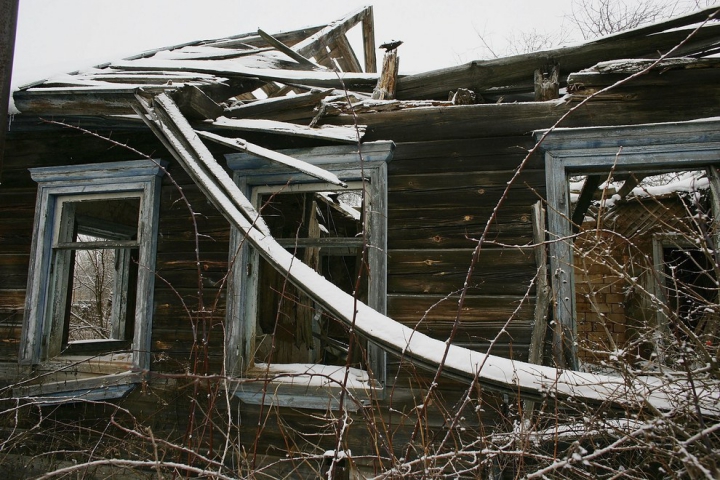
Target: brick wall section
(599, 296)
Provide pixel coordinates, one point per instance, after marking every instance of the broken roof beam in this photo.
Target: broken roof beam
(315, 44)
(244, 146)
(339, 56)
(233, 70)
(342, 134)
(343, 53)
(419, 349)
(287, 50)
(195, 105)
(252, 39)
(204, 52)
(632, 181)
(182, 142)
(280, 108)
(592, 182)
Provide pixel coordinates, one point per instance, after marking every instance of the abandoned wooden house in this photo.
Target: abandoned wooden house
(270, 218)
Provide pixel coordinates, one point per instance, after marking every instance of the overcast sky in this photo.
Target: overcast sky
(59, 36)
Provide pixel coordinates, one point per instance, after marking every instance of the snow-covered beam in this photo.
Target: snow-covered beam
(314, 44)
(245, 146)
(203, 165)
(429, 353)
(335, 133)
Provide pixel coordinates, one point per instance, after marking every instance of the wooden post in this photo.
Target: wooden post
(543, 298)
(385, 89)
(8, 25)
(368, 28)
(547, 83)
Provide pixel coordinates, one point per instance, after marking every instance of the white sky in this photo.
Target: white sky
(58, 36)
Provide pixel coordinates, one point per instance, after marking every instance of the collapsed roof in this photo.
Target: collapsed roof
(302, 70)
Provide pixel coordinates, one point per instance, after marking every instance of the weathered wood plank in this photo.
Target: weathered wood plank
(450, 180)
(499, 271)
(457, 227)
(287, 50)
(280, 108)
(543, 291)
(338, 134)
(478, 311)
(277, 157)
(368, 28)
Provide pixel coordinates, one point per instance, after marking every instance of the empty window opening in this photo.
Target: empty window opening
(323, 229)
(94, 274)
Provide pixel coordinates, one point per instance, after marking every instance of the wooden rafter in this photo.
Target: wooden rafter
(290, 52)
(586, 197)
(244, 146)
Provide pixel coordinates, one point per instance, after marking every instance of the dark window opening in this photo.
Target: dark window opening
(691, 287)
(324, 230)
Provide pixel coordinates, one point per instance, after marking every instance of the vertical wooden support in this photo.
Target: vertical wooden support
(385, 89)
(377, 260)
(547, 83)
(561, 263)
(535, 355)
(8, 25)
(543, 297)
(368, 28)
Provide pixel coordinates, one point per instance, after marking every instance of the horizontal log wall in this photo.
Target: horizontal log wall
(441, 195)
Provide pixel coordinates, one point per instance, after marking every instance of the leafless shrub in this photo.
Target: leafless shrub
(597, 18)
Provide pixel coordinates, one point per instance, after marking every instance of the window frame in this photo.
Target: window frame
(56, 184)
(61, 264)
(568, 151)
(250, 172)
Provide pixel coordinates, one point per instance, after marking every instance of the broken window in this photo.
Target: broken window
(89, 300)
(643, 269)
(687, 287)
(632, 234)
(323, 229)
(276, 332)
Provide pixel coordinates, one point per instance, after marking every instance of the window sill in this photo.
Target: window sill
(70, 379)
(311, 386)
